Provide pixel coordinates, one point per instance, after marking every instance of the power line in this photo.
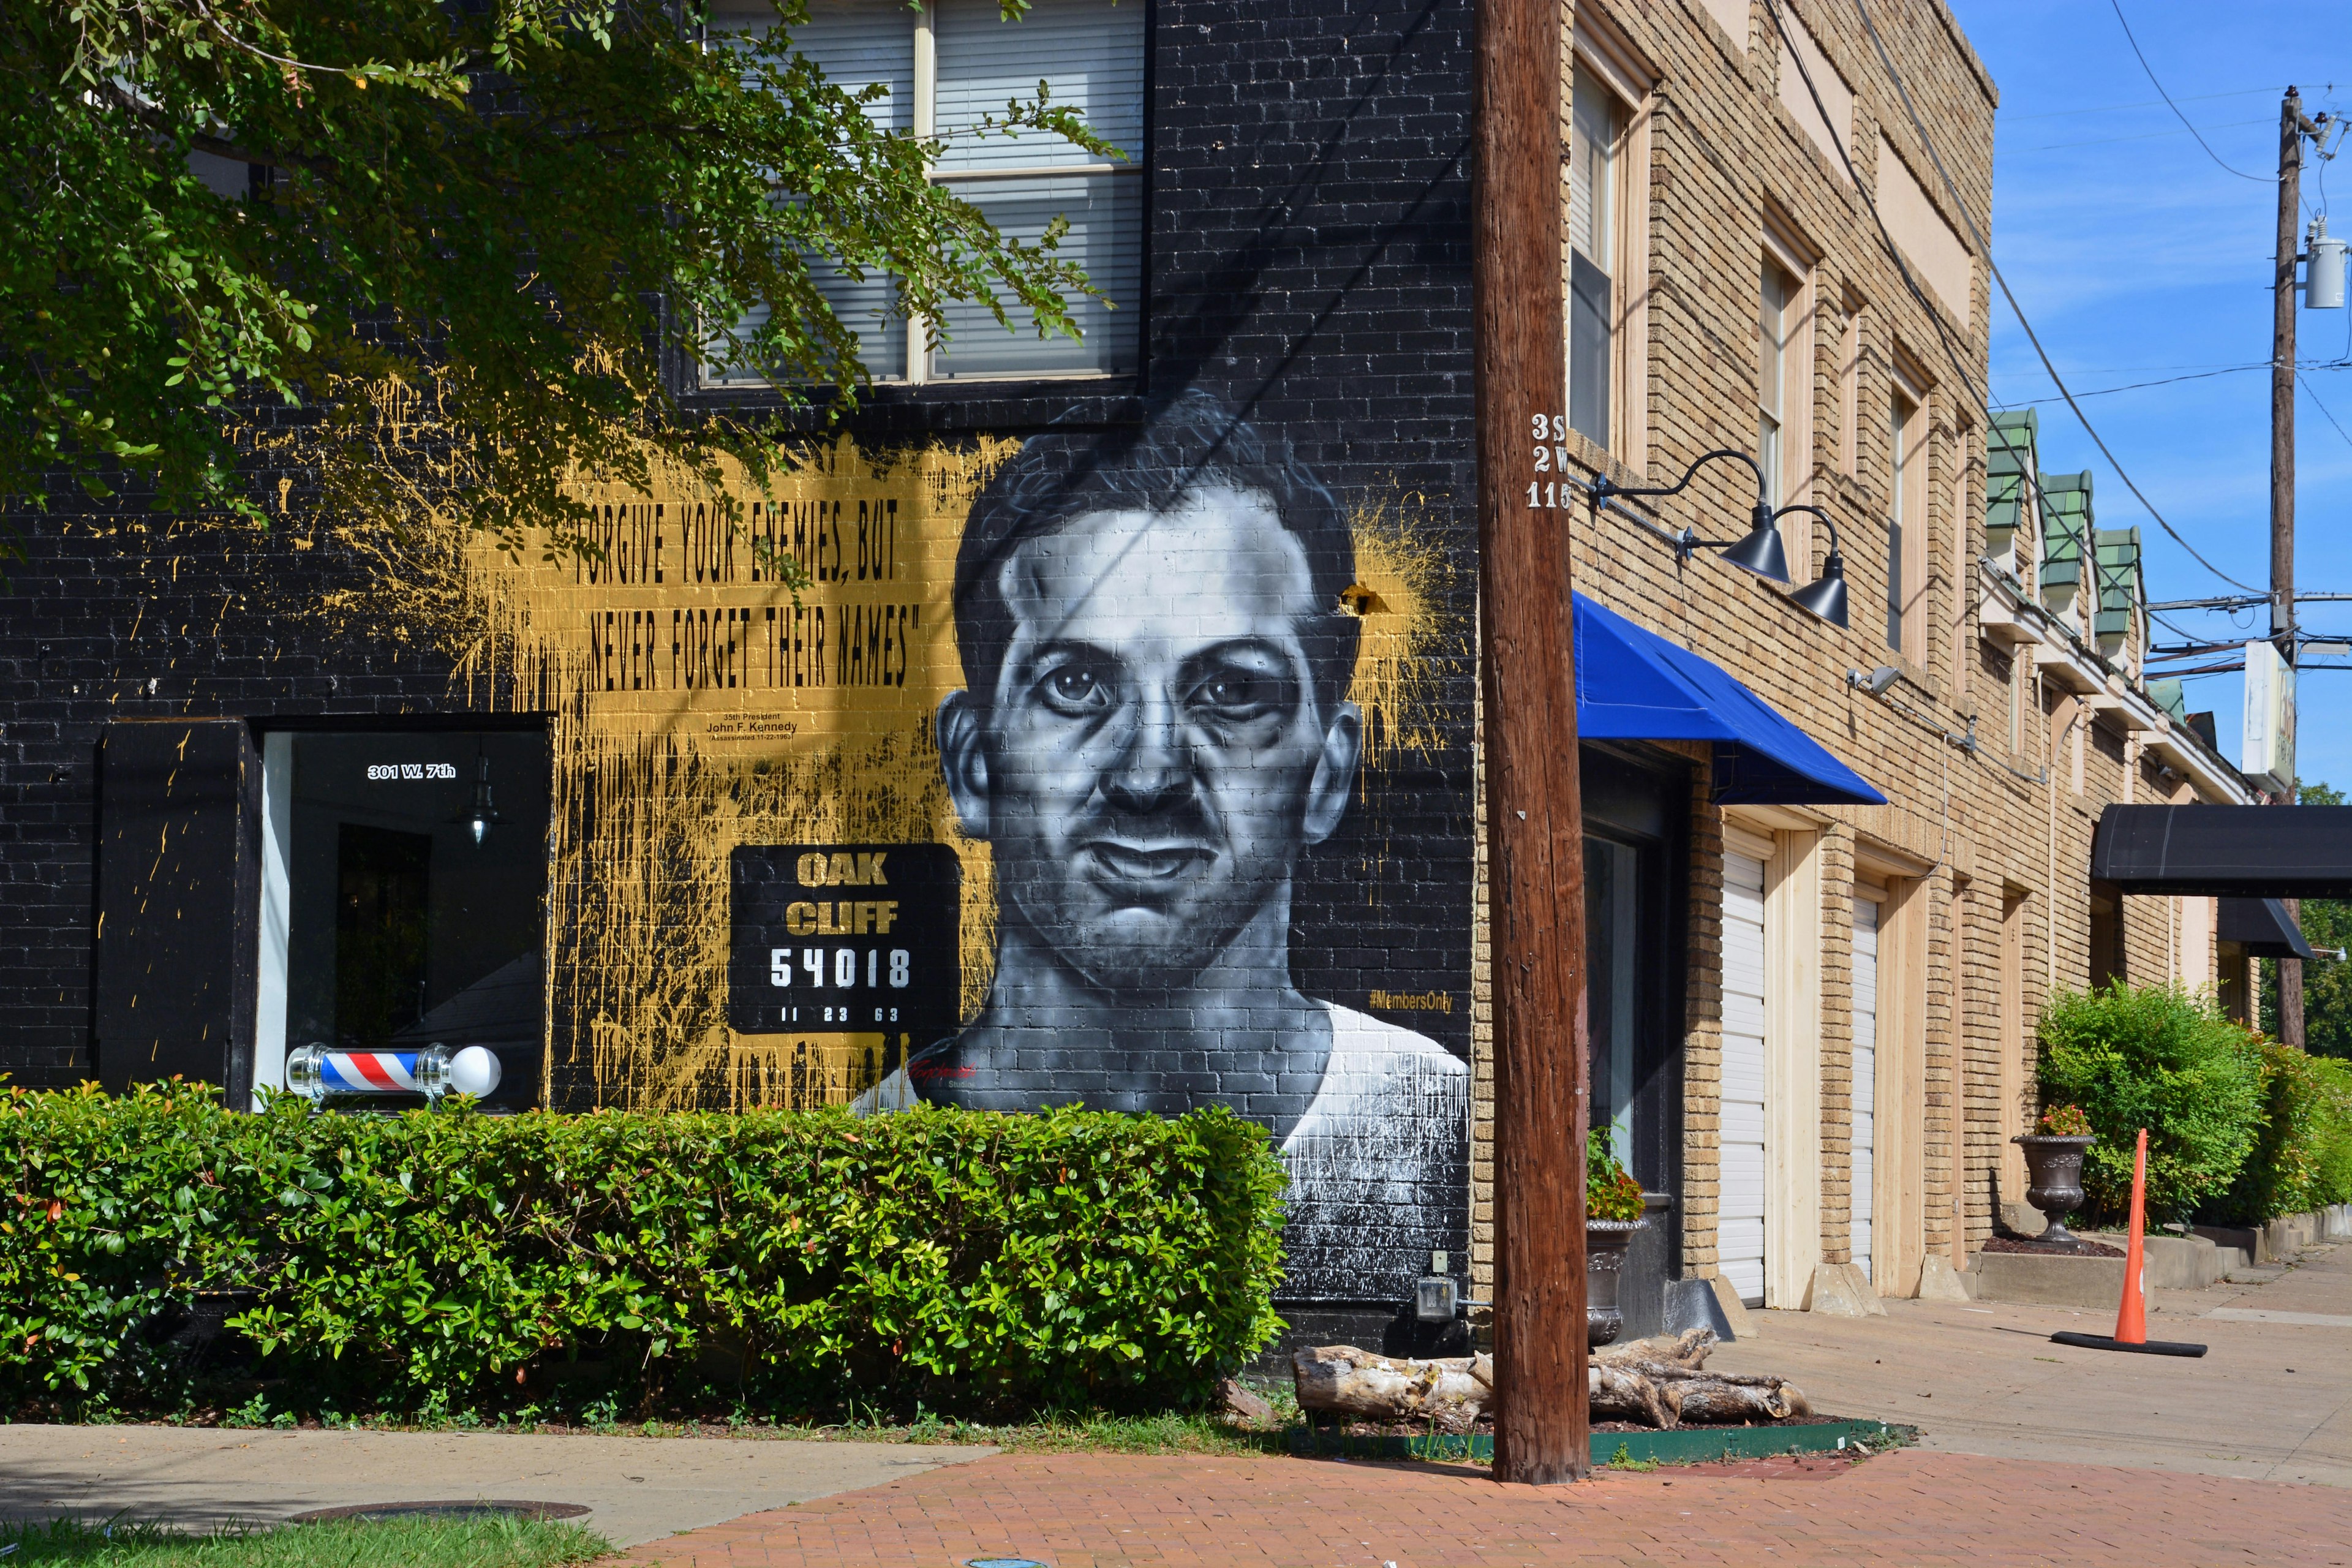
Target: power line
(1935, 317)
(2137, 385)
(2194, 376)
(2168, 98)
(1994, 267)
(2230, 602)
(2311, 393)
(2134, 136)
(2147, 103)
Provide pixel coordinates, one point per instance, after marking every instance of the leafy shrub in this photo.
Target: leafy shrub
(2331, 1180)
(456, 1260)
(2163, 1059)
(2282, 1175)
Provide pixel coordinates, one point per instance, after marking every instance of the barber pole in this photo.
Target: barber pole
(364, 1072)
(318, 1072)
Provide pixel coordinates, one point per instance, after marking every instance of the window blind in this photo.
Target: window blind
(1089, 54)
(856, 44)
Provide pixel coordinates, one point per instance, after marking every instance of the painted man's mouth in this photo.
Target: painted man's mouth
(1145, 865)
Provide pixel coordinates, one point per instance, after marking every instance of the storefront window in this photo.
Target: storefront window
(405, 880)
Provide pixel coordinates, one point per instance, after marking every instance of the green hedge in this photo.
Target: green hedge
(2332, 1154)
(2165, 1059)
(2299, 1157)
(451, 1260)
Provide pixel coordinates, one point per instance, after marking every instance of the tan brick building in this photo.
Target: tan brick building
(1815, 1040)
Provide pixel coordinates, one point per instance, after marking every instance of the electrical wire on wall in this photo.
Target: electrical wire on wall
(1951, 350)
(1984, 250)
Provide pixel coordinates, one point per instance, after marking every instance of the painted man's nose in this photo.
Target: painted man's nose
(1154, 772)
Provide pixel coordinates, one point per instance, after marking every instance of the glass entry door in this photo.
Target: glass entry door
(1630, 964)
(1635, 821)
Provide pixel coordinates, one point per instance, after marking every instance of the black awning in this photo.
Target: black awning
(2262, 927)
(2226, 851)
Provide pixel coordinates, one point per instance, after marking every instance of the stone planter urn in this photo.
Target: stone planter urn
(2054, 1168)
(1605, 1241)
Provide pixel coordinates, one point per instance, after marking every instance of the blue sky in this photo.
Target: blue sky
(2138, 258)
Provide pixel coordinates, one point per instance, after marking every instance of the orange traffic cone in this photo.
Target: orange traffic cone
(2131, 1313)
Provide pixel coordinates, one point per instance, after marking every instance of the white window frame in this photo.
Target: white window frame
(1775, 304)
(1800, 331)
(1609, 61)
(1907, 511)
(923, 115)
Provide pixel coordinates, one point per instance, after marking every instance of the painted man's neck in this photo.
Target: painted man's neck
(1243, 987)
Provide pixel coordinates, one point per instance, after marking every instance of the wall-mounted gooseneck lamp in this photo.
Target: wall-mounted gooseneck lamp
(1760, 552)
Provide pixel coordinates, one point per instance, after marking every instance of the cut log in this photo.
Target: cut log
(1715, 1400)
(1619, 1395)
(1687, 1349)
(1237, 1406)
(1449, 1391)
(1659, 1382)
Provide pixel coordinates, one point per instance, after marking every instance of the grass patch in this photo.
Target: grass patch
(1052, 1432)
(1065, 1432)
(395, 1544)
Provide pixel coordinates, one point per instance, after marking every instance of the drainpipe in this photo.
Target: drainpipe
(2049, 872)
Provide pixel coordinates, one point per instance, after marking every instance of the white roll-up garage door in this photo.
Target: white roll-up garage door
(1739, 1234)
(1865, 1074)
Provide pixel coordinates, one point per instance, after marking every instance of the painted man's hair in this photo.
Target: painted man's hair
(1192, 444)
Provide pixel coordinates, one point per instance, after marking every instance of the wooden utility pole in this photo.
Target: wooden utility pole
(1535, 831)
(2292, 128)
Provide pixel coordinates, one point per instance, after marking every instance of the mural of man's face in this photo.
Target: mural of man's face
(1153, 760)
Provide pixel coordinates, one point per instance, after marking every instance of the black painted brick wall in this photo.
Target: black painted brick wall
(1309, 262)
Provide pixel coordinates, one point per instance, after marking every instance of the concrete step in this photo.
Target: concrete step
(2050, 1279)
(2176, 1262)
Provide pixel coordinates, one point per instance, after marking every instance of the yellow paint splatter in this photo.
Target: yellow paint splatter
(696, 702)
(1401, 582)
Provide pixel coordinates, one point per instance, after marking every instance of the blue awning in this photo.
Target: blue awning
(1634, 685)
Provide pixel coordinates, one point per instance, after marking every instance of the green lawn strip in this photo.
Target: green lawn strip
(393, 1543)
(1165, 1432)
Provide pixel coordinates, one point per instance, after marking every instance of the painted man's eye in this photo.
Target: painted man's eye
(1234, 695)
(1076, 689)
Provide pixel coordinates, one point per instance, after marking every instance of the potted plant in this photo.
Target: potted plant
(1612, 1214)
(2053, 1161)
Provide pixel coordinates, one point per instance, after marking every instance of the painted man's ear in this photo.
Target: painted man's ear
(1334, 773)
(963, 758)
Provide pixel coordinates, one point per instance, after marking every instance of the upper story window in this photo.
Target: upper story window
(1851, 348)
(1775, 323)
(1596, 130)
(946, 66)
(1907, 526)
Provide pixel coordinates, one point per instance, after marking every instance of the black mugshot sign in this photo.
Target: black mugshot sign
(845, 939)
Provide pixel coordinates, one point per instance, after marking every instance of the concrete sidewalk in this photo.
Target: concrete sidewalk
(637, 1489)
(2011, 1420)
(2272, 1399)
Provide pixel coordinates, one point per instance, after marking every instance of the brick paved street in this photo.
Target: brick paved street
(2272, 1397)
(1906, 1508)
